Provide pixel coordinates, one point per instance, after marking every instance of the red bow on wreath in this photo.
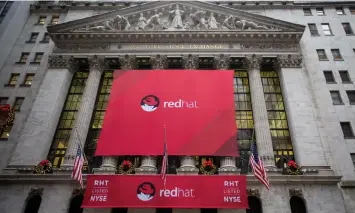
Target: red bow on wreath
(44, 163)
(126, 163)
(292, 163)
(5, 107)
(208, 163)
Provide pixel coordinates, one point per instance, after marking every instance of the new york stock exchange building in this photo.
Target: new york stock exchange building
(124, 84)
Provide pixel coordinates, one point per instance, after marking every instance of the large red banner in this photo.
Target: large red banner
(148, 191)
(197, 108)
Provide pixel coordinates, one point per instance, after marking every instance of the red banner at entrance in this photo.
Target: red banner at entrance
(197, 108)
(147, 191)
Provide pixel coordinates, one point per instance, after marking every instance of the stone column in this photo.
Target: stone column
(306, 140)
(187, 166)
(148, 166)
(87, 104)
(108, 166)
(261, 122)
(39, 129)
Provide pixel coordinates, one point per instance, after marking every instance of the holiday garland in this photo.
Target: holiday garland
(126, 167)
(293, 169)
(7, 116)
(208, 168)
(43, 167)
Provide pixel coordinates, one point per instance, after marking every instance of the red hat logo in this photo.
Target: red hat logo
(145, 191)
(150, 103)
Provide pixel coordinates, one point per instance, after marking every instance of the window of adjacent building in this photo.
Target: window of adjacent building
(329, 77)
(55, 20)
(18, 103)
(307, 11)
(38, 58)
(352, 10)
(320, 11)
(13, 79)
(313, 29)
(321, 54)
(344, 75)
(24, 57)
(336, 97)
(3, 100)
(351, 96)
(347, 29)
(28, 79)
(42, 20)
(326, 29)
(4, 9)
(336, 54)
(46, 38)
(340, 11)
(353, 158)
(347, 130)
(5, 134)
(33, 38)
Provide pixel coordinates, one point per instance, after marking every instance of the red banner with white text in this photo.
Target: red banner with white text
(196, 106)
(147, 191)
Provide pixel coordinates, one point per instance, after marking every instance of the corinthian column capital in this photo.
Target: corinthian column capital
(221, 62)
(190, 62)
(159, 62)
(289, 61)
(97, 63)
(252, 61)
(63, 62)
(128, 62)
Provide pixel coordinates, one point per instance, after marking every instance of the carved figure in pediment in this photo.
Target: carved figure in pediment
(212, 22)
(247, 25)
(142, 22)
(228, 22)
(198, 20)
(177, 18)
(154, 21)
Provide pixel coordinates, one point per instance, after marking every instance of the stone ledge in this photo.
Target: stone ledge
(279, 179)
(347, 184)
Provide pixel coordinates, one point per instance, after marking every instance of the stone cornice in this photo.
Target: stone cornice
(62, 62)
(66, 178)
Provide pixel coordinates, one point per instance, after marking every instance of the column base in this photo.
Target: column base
(105, 170)
(228, 170)
(146, 170)
(187, 170)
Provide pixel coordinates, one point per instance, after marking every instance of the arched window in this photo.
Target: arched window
(254, 205)
(119, 210)
(297, 205)
(208, 211)
(33, 203)
(163, 210)
(75, 204)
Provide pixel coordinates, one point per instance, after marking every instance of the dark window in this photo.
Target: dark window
(33, 38)
(313, 29)
(38, 58)
(13, 79)
(67, 118)
(336, 97)
(75, 204)
(347, 29)
(347, 130)
(329, 78)
(321, 54)
(307, 11)
(336, 54)
(340, 11)
(55, 20)
(5, 9)
(326, 29)
(351, 96)
(3, 100)
(24, 57)
(33, 204)
(42, 20)
(18, 103)
(175, 63)
(46, 38)
(28, 79)
(320, 11)
(208, 211)
(244, 118)
(344, 75)
(280, 134)
(254, 205)
(119, 210)
(163, 210)
(352, 155)
(205, 63)
(352, 10)
(297, 205)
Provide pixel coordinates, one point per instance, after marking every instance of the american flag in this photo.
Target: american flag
(165, 161)
(78, 166)
(258, 167)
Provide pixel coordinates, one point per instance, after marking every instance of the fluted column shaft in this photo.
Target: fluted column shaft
(83, 118)
(261, 122)
(148, 165)
(187, 166)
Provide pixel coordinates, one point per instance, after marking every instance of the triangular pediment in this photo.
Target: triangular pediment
(172, 16)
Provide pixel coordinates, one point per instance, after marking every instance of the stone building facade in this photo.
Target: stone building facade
(293, 65)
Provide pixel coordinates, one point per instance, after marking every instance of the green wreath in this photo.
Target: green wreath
(208, 168)
(126, 167)
(43, 167)
(293, 169)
